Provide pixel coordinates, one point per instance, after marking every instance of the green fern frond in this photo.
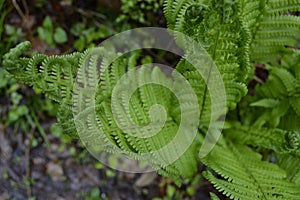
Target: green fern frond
(10, 58)
(134, 116)
(140, 104)
(290, 121)
(279, 6)
(280, 141)
(290, 163)
(65, 118)
(53, 75)
(278, 25)
(243, 175)
(215, 25)
(172, 9)
(251, 12)
(295, 103)
(266, 103)
(213, 196)
(279, 95)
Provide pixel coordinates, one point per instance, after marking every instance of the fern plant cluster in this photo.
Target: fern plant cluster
(258, 155)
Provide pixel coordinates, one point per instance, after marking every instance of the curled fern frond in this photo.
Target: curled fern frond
(10, 58)
(53, 75)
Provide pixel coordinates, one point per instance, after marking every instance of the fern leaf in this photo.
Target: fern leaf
(295, 103)
(279, 6)
(213, 196)
(280, 141)
(266, 103)
(13, 64)
(247, 177)
(279, 95)
(290, 163)
(287, 79)
(280, 27)
(251, 12)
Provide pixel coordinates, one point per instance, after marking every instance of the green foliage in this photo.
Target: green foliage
(172, 192)
(243, 175)
(278, 98)
(235, 34)
(15, 35)
(137, 10)
(15, 112)
(94, 194)
(281, 141)
(222, 35)
(85, 36)
(50, 34)
(53, 75)
(290, 164)
(9, 35)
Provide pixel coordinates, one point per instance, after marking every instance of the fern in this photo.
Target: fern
(54, 75)
(280, 141)
(290, 163)
(279, 96)
(223, 36)
(276, 31)
(260, 32)
(235, 34)
(243, 174)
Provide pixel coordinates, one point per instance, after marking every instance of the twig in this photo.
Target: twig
(90, 13)
(24, 15)
(91, 177)
(17, 7)
(25, 7)
(257, 79)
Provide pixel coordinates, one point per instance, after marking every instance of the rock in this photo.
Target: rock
(55, 171)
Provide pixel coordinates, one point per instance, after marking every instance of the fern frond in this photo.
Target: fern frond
(251, 12)
(266, 103)
(295, 103)
(66, 119)
(280, 94)
(53, 75)
(276, 24)
(13, 64)
(280, 141)
(290, 163)
(279, 6)
(172, 9)
(215, 25)
(213, 196)
(134, 117)
(243, 175)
